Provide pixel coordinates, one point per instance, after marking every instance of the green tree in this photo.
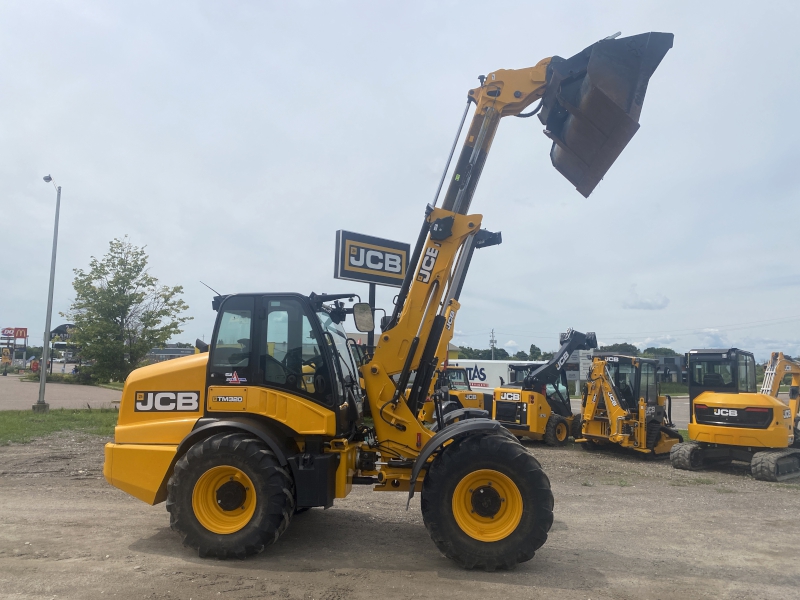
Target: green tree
(547, 355)
(535, 353)
(621, 348)
(521, 355)
(476, 354)
(121, 312)
(653, 351)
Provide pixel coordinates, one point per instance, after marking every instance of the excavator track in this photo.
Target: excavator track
(776, 465)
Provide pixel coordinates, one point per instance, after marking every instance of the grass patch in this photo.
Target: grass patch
(112, 385)
(22, 426)
(788, 486)
(724, 490)
(587, 484)
(618, 482)
(684, 434)
(674, 389)
(693, 481)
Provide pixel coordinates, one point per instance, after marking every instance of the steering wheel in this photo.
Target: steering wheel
(315, 361)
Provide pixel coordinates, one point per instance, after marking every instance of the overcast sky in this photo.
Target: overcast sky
(232, 139)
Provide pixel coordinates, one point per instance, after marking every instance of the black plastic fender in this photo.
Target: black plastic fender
(462, 414)
(204, 431)
(468, 426)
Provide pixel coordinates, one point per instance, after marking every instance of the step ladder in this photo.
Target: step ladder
(769, 375)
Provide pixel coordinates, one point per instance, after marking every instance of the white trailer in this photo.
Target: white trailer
(485, 375)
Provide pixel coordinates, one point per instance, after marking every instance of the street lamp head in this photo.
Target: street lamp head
(47, 178)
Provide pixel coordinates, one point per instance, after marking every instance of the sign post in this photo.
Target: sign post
(372, 260)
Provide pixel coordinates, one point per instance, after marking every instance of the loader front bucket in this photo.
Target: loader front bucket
(592, 102)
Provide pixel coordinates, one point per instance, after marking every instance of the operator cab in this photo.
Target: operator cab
(289, 343)
(457, 379)
(728, 371)
(632, 378)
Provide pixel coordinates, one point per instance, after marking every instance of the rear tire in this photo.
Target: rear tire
(556, 432)
(505, 484)
(229, 496)
(687, 456)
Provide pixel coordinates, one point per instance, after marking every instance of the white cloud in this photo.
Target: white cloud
(637, 302)
(511, 344)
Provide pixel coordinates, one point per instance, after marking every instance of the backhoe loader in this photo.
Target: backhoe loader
(730, 421)
(537, 408)
(622, 405)
(269, 420)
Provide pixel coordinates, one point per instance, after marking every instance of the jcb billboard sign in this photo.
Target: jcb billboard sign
(370, 259)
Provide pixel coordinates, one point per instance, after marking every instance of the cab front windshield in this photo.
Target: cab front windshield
(347, 364)
(457, 379)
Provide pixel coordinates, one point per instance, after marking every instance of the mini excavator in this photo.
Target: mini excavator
(268, 421)
(621, 405)
(730, 421)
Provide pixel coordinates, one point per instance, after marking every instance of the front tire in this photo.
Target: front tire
(229, 496)
(487, 503)
(556, 432)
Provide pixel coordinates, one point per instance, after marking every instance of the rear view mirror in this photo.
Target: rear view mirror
(592, 102)
(362, 315)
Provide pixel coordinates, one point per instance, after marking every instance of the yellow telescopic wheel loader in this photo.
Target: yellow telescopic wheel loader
(730, 421)
(537, 408)
(269, 420)
(621, 405)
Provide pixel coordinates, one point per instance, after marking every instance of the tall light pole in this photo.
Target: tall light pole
(41, 405)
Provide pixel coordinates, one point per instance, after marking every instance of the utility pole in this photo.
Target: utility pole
(41, 405)
(492, 343)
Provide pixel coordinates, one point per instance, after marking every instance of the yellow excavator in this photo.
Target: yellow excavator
(268, 421)
(730, 420)
(622, 405)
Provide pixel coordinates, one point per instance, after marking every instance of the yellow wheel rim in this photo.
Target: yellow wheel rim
(224, 499)
(487, 505)
(561, 431)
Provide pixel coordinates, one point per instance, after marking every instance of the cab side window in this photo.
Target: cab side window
(747, 373)
(289, 353)
(232, 347)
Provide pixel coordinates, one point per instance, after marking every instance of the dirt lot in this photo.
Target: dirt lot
(625, 528)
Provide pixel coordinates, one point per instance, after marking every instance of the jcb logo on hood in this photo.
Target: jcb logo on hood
(510, 396)
(167, 401)
(726, 412)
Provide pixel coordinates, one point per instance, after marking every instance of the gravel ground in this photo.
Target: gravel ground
(625, 528)
(16, 394)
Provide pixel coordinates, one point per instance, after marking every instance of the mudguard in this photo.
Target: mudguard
(467, 427)
(214, 427)
(462, 414)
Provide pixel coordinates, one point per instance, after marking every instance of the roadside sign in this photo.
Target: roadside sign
(35, 366)
(6, 357)
(370, 259)
(585, 363)
(14, 332)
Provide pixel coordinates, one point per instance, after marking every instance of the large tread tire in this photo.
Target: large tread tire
(775, 465)
(687, 456)
(556, 432)
(497, 453)
(274, 489)
(577, 426)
